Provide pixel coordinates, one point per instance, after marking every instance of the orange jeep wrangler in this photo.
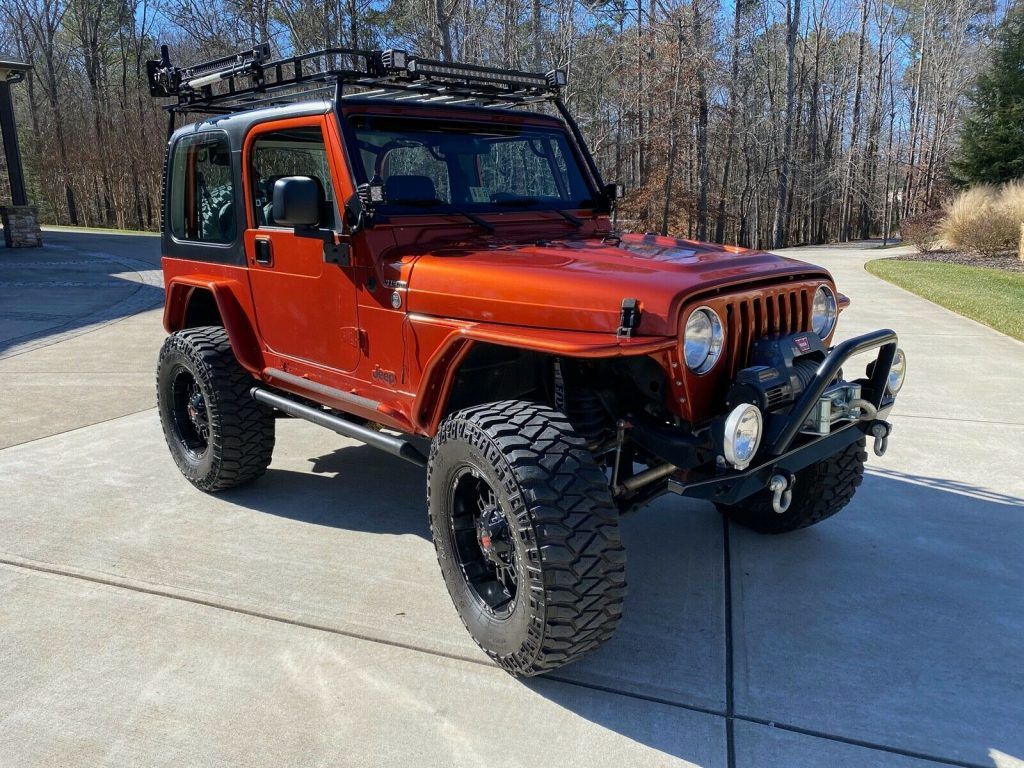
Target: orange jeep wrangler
(412, 252)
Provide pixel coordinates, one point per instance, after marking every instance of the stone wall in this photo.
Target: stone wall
(21, 226)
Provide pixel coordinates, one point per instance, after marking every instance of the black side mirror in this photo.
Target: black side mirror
(298, 201)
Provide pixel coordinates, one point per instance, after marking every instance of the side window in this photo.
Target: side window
(202, 191)
(295, 152)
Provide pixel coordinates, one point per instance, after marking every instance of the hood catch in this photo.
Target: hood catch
(629, 318)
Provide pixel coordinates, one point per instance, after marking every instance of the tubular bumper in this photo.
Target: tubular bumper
(784, 448)
(735, 486)
(780, 433)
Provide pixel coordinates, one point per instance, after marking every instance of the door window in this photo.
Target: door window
(293, 152)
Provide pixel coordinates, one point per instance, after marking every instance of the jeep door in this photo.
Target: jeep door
(305, 306)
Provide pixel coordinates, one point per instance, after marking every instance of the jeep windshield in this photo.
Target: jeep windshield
(428, 166)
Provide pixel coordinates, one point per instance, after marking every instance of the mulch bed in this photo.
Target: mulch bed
(1009, 263)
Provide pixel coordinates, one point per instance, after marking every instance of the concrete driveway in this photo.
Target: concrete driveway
(302, 620)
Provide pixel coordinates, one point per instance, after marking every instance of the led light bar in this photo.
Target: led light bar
(471, 73)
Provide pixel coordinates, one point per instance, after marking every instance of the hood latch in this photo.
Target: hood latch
(629, 318)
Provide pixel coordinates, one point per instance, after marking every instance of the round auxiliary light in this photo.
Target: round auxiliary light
(897, 373)
(824, 311)
(742, 435)
(702, 340)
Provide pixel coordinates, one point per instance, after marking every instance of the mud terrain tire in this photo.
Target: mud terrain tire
(197, 369)
(564, 553)
(820, 491)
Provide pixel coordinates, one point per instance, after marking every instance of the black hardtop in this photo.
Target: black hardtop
(238, 124)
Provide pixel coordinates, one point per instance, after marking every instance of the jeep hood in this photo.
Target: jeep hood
(579, 284)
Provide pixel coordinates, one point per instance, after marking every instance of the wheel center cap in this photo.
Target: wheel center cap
(195, 408)
(492, 535)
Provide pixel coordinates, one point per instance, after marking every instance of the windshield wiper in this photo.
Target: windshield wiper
(453, 208)
(532, 202)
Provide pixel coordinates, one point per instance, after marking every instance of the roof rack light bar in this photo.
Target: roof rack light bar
(432, 70)
(248, 73)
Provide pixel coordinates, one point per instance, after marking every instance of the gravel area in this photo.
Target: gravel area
(1009, 263)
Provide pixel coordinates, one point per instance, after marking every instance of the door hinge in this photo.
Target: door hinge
(354, 337)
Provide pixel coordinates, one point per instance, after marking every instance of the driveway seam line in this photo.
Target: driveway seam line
(964, 421)
(208, 603)
(852, 741)
(75, 429)
(730, 711)
(170, 595)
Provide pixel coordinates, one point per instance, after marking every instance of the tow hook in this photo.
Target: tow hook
(782, 492)
(880, 430)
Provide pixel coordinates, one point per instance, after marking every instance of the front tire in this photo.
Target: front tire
(218, 435)
(526, 534)
(820, 491)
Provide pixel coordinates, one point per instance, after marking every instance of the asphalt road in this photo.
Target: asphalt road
(302, 621)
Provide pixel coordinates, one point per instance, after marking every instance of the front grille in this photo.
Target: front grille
(774, 311)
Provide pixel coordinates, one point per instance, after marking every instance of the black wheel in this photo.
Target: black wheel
(819, 492)
(526, 535)
(218, 435)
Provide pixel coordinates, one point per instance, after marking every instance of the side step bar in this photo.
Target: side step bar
(396, 446)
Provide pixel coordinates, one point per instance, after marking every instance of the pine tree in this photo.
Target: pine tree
(992, 136)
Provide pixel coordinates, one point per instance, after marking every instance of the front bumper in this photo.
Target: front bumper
(785, 446)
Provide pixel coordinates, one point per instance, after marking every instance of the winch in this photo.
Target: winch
(781, 368)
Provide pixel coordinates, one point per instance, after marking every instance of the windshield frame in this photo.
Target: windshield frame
(487, 121)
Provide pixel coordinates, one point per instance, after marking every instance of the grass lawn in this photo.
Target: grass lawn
(990, 296)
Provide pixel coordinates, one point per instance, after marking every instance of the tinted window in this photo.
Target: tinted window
(202, 193)
(296, 152)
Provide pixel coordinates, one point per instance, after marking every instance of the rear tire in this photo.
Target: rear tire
(218, 435)
(526, 534)
(819, 492)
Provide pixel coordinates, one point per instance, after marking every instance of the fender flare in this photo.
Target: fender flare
(441, 369)
(226, 292)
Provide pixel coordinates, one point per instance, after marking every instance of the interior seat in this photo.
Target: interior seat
(402, 188)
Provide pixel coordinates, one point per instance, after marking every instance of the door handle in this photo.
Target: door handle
(264, 252)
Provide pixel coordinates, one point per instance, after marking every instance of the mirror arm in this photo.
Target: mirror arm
(337, 246)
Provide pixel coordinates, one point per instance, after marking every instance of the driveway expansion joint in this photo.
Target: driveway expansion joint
(23, 564)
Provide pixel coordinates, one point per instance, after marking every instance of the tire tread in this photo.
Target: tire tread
(575, 527)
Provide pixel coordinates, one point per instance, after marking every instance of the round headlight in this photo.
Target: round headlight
(824, 311)
(702, 340)
(898, 373)
(742, 435)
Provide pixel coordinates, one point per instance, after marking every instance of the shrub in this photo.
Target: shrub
(985, 219)
(922, 231)
(1011, 206)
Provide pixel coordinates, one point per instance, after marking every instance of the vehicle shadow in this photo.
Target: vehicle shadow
(896, 623)
(75, 281)
(390, 493)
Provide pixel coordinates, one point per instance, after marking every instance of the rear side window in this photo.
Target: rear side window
(202, 190)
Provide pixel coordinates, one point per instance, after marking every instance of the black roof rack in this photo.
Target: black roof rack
(248, 78)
